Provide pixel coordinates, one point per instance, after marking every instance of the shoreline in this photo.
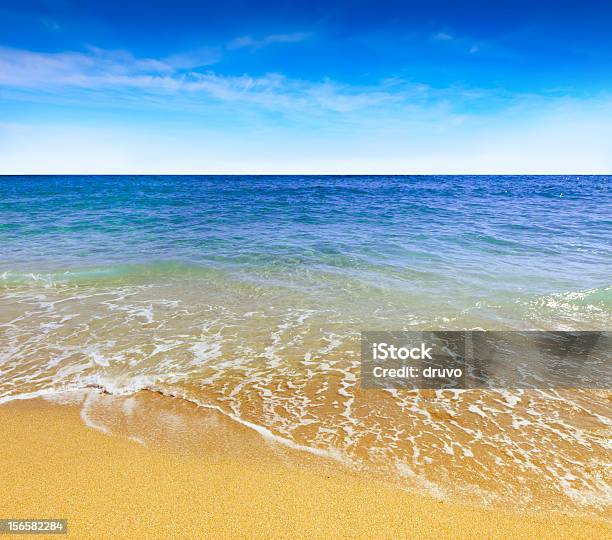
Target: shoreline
(188, 471)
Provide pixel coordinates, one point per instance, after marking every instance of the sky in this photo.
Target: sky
(321, 87)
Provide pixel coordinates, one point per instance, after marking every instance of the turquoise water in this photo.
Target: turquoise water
(439, 245)
(247, 294)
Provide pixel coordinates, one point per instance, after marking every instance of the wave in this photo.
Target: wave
(570, 309)
(146, 384)
(108, 275)
(591, 499)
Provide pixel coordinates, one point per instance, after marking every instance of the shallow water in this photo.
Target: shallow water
(248, 295)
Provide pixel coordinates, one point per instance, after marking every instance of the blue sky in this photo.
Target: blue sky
(305, 87)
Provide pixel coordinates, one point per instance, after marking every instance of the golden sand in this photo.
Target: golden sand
(207, 476)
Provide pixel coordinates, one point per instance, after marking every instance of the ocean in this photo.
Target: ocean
(248, 294)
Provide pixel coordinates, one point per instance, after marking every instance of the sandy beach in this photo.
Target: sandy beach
(195, 473)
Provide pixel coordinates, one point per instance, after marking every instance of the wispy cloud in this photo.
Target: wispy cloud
(204, 56)
(442, 36)
(254, 43)
(466, 45)
(50, 24)
(23, 68)
(98, 70)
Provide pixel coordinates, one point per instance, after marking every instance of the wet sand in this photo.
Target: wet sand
(189, 472)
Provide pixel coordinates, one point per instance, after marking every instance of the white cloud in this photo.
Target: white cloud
(205, 56)
(20, 68)
(442, 36)
(50, 24)
(253, 43)
(466, 44)
(128, 77)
